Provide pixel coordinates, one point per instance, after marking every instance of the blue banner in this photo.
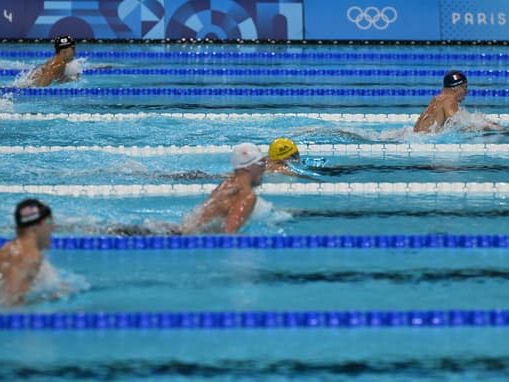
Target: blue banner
(257, 19)
(474, 20)
(372, 20)
(153, 19)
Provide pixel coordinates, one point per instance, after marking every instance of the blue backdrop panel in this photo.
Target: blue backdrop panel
(250, 19)
(18, 16)
(474, 20)
(229, 19)
(372, 20)
(156, 19)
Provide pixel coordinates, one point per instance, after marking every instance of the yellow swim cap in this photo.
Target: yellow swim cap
(282, 148)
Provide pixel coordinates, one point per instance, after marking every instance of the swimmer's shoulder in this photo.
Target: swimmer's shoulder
(6, 249)
(228, 187)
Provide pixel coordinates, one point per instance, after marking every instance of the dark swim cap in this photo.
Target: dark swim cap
(30, 212)
(62, 42)
(454, 78)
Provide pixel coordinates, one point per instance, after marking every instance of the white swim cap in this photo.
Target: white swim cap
(244, 155)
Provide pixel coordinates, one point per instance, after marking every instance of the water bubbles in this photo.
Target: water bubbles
(74, 68)
(52, 283)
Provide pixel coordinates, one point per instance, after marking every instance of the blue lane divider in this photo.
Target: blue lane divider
(254, 72)
(255, 320)
(274, 242)
(237, 92)
(336, 57)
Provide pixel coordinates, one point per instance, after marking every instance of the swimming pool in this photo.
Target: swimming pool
(363, 273)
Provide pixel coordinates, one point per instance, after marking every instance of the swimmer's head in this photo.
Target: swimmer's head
(64, 42)
(34, 217)
(283, 149)
(30, 212)
(245, 155)
(454, 78)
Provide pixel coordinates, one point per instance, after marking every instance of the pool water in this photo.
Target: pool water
(200, 100)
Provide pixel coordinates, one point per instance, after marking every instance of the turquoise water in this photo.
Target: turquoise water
(262, 280)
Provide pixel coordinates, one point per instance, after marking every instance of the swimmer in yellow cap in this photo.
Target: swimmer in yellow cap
(282, 151)
(54, 69)
(284, 158)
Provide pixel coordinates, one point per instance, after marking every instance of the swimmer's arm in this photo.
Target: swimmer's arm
(284, 170)
(239, 213)
(450, 108)
(48, 73)
(44, 77)
(19, 280)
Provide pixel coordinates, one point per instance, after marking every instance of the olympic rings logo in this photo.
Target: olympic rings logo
(372, 17)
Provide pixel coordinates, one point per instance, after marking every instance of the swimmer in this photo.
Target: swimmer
(21, 259)
(445, 105)
(284, 158)
(54, 69)
(230, 205)
(282, 151)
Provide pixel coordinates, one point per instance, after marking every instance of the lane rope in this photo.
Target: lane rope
(239, 92)
(333, 117)
(270, 56)
(107, 243)
(242, 92)
(406, 149)
(466, 189)
(253, 320)
(393, 74)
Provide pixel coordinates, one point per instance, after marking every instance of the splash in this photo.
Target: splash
(25, 78)
(55, 284)
(72, 72)
(17, 65)
(265, 219)
(74, 68)
(463, 125)
(465, 121)
(265, 211)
